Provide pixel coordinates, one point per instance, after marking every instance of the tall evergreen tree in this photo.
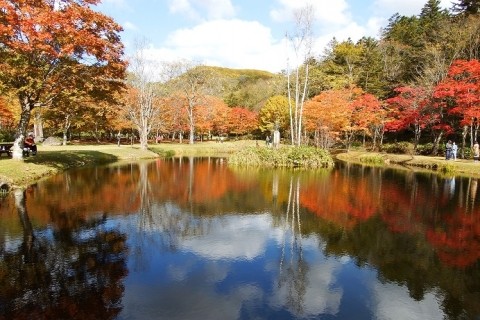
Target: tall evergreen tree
(467, 6)
(432, 18)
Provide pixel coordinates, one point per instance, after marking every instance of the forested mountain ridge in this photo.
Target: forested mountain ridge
(247, 88)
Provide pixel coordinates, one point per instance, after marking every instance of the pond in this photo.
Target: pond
(192, 238)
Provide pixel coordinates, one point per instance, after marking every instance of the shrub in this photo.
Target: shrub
(447, 168)
(6, 136)
(398, 148)
(425, 149)
(308, 157)
(163, 153)
(373, 159)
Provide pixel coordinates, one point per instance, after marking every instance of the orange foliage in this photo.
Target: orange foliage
(328, 112)
(343, 201)
(242, 121)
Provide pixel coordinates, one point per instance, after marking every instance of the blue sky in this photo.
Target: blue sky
(247, 34)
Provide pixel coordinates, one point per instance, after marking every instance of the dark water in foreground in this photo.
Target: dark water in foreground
(195, 239)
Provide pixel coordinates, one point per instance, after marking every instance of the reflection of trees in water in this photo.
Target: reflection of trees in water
(166, 218)
(415, 229)
(293, 269)
(76, 274)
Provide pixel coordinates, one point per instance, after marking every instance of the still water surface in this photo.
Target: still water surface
(196, 239)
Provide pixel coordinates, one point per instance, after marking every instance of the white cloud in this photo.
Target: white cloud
(198, 9)
(327, 12)
(230, 43)
(218, 38)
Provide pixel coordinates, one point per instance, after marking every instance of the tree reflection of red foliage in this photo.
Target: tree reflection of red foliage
(400, 212)
(458, 242)
(342, 200)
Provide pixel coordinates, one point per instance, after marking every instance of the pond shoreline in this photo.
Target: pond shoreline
(462, 167)
(51, 160)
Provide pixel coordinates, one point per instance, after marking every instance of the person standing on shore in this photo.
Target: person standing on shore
(448, 150)
(454, 150)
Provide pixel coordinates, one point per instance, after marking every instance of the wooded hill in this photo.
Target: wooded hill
(247, 88)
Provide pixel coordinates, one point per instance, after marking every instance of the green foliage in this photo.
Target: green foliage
(307, 157)
(6, 136)
(398, 147)
(374, 159)
(425, 149)
(164, 153)
(447, 168)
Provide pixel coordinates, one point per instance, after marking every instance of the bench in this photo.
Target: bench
(5, 148)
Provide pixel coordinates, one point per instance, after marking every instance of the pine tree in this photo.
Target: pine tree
(467, 6)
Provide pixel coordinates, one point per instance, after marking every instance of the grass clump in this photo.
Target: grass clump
(447, 168)
(164, 153)
(307, 157)
(375, 159)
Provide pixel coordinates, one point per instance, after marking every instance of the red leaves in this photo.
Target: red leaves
(460, 90)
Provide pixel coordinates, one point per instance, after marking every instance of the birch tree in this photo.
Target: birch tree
(297, 79)
(142, 98)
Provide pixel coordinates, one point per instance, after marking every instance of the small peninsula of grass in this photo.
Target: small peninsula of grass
(305, 157)
(463, 167)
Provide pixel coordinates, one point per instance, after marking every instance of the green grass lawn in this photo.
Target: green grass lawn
(52, 159)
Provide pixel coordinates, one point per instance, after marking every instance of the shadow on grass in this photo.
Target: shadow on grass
(71, 159)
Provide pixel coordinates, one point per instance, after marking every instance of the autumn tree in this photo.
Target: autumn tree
(205, 116)
(459, 92)
(369, 116)
(242, 121)
(408, 111)
(6, 119)
(191, 83)
(275, 113)
(48, 46)
(142, 100)
(174, 116)
(327, 116)
(221, 116)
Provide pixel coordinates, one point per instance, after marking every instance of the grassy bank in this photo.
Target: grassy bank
(52, 159)
(414, 162)
(209, 148)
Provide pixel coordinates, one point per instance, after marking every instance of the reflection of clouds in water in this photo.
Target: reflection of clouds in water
(232, 238)
(215, 272)
(192, 291)
(191, 300)
(393, 302)
(320, 296)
